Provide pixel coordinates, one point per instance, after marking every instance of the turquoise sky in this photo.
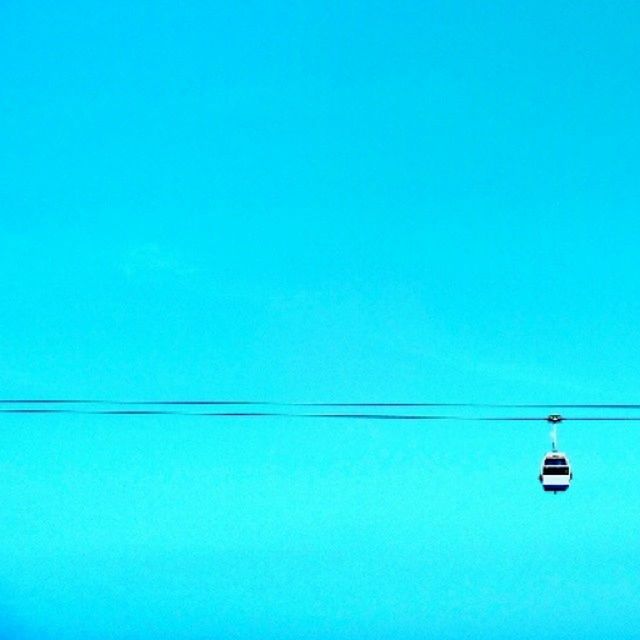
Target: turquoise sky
(307, 201)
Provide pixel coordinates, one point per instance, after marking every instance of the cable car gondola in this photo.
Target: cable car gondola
(555, 472)
(555, 469)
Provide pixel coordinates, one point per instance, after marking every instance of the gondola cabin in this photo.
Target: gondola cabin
(555, 472)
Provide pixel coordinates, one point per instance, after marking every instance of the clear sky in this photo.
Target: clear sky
(314, 201)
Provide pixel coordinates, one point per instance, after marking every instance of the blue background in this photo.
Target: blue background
(315, 201)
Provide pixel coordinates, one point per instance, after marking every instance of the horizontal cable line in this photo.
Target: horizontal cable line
(266, 403)
(137, 403)
(274, 414)
(223, 414)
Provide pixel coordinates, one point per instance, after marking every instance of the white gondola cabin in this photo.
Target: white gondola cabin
(555, 472)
